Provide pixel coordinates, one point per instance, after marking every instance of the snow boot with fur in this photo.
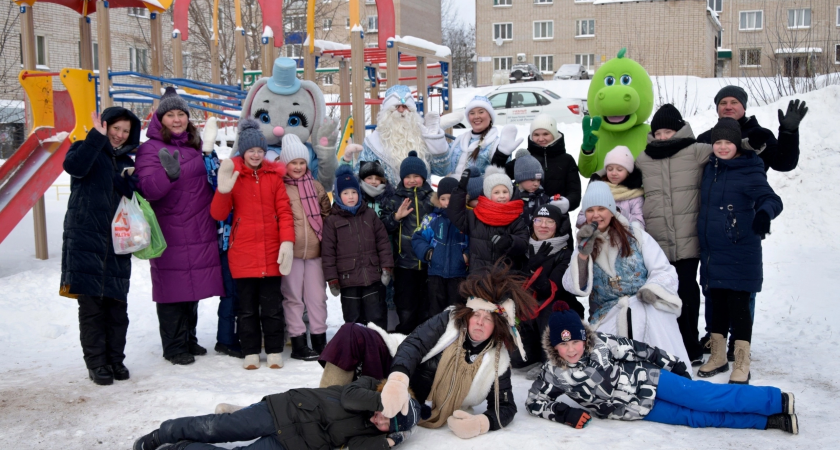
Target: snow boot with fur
(274, 360)
(741, 372)
(784, 422)
(147, 442)
(302, 351)
(717, 362)
(335, 376)
(251, 362)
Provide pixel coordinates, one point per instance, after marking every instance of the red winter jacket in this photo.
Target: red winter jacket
(262, 219)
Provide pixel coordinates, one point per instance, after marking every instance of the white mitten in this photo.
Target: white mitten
(466, 425)
(508, 141)
(351, 151)
(226, 177)
(432, 123)
(395, 395)
(208, 138)
(285, 257)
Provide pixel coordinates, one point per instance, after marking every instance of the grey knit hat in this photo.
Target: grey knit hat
(475, 184)
(732, 91)
(728, 129)
(598, 194)
(250, 136)
(493, 177)
(171, 100)
(527, 168)
(292, 148)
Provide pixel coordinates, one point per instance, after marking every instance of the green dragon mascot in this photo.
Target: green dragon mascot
(620, 101)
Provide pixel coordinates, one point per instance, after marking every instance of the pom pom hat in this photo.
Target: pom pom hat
(413, 165)
(565, 325)
(250, 136)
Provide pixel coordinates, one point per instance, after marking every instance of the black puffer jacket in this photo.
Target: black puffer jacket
(482, 250)
(560, 168)
(89, 265)
(402, 230)
(422, 375)
(780, 155)
(326, 418)
(355, 248)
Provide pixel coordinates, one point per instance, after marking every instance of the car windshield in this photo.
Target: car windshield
(550, 94)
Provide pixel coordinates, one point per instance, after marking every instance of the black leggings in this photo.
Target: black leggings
(733, 307)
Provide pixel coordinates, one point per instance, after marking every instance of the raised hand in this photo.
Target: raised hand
(432, 123)
(171, 163)
(465, 179)
(591, 125)
(226, 177)
(586, 238)
(351, 151)
(98, 124)
(795, 113)
(208, 136)
(507, 140)
(536, 260)
(405, 209)
(328, 133)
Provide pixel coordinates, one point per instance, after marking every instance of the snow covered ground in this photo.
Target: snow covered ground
(47, 401)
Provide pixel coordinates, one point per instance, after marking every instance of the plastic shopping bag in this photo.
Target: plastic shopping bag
(129, 230)
(158, 244)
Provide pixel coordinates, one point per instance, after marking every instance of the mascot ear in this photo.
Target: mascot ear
(320, 108)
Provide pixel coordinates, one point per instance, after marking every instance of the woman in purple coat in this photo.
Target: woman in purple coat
(173, 179)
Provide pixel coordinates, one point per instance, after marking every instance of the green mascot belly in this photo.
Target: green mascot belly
(620, 101)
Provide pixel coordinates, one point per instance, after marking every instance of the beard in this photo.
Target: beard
(401, 133)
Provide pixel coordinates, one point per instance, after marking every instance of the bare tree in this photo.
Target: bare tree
(11, 94)
(460, 38)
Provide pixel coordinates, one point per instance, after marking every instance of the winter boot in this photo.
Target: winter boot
(784, 422)
(147, 442)
(181, 359)
(251, 362)
(197, 350)
(302, 351)
(102, 376)
(319, 342)
(335, 376)
(274, 360)
(787, 403)
(226, 408)
(741, 372)
(717, 361)
(120, 371)
(228, 350)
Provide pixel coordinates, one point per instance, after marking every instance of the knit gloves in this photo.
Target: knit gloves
(795, 113)
(507, 141)
(386, 276)
(466, 425)
(208, 137)
(586, 238)
(226, 177)
(502, 242)
(395, 395)
(335, 288)
(171, 163)
(351, 151)
(758, 137)
(465, 180)
(400, 436)
(285, 257)
(538, 258)
(590, 134)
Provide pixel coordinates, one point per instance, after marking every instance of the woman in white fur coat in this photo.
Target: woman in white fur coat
(632, 287)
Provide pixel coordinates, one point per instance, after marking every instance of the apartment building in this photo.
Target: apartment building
(787, 37)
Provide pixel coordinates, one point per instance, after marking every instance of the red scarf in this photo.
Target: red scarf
(498, 214)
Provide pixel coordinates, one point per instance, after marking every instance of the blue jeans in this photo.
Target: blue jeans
(247, 424)
(700, 404)
(227, 333)
(708, 312)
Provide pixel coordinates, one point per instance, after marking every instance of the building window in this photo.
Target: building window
(40, 51)
(347, 23)
(296, 23)
(502, 63)
(585, 28)
(291, 51)
(544, 62)
(137, 58)
(139, 12)
(751, 20)
(544, 30)
(327, 24)
(836, 53)
(502, 2)
(750, 57)
(372, 24)
(503, 31)
(587, 61)
(799, 18)
(716, 5)
(95, 58)
(543, 2)
(838, 16)
(328, 80)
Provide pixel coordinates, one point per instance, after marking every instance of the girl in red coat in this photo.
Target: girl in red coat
(262, 233)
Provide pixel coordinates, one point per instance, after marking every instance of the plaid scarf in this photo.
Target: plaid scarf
(498, 214)
(309, 199)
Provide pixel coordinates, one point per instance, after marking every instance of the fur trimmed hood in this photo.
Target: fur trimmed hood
(554, 357)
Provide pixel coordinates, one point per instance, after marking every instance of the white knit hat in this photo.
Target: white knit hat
(493, 177)
(545, 122)
(480, 101)
(620, 155)
(292, 149)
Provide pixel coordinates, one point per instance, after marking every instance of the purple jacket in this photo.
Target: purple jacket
(189, 269)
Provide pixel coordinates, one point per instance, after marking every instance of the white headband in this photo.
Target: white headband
(506, 309)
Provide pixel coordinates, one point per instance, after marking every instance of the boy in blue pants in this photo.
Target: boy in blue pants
(623, 379)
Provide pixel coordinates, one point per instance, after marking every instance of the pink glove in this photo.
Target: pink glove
(351, 151)
(395, 395)
(466, 425)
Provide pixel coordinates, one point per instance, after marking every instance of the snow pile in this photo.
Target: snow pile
(268, 32)
(439, 50)
(327, 45)
(49, 403)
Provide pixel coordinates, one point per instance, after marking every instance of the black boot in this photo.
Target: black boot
(197, 350)
(319, 342)
(301, 351)
(147, 442)
(120, 371)
(784, 422)
(181, 359)
(102, 376)
(228, 350)
(788, 403)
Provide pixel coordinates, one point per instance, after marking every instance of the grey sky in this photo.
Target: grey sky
(466, 10)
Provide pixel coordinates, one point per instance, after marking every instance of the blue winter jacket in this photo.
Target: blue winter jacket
(732, 191)
(439, 233)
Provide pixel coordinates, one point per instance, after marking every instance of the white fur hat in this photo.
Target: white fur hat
(480, 101)
(620, 155)
(545, 122)
(398, 95)
(293, 149)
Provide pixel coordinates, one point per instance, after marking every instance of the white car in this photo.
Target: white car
(520, 104)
